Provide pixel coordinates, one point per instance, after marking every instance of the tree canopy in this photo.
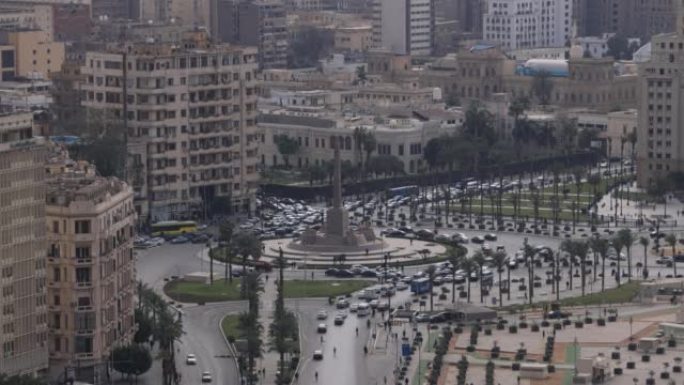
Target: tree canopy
(131, 359)
(542, 87)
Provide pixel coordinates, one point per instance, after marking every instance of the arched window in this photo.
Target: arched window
(347, 143)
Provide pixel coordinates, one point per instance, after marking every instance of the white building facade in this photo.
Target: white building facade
(405, 27)
(517, 24)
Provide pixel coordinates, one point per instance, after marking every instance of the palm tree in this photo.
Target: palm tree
(456, 258)
(431, 276)
(582, 250)
(601, 246)
(536, 201)
(167, 330)
(514, 198)
(499, 259)
(671, 240)
(617, 245)
(627, 239)
(528, 252)
(478, 259)
(577, 175)
(226, 229)
(467, 265)
(644, 241)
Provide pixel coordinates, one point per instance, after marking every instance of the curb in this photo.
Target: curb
(233, 352)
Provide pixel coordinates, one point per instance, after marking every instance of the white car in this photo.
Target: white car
(191, 359)
(401, 286)
(321, 315)
(322, 328)
(206, 377)
(318, 355)
(157, 241)
(353, 308)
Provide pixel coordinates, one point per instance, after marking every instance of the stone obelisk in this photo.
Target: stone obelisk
(337, 217)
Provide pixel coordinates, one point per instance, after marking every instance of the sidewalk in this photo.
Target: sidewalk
(269, 360)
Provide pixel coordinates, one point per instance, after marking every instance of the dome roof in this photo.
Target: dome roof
(643, 54)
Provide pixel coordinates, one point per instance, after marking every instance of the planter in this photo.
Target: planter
(631, 365)
(650, 381)
(671, 343)
(676, 369)
(522, 325)
(500, 326)
(551, 368)
(488, 332)
(557, 326)
(515, 366)
(462, 294)
(664, 375)
(588, 320)
(534, 328)
(612, 318)
(567, 322)
(645, 358)
(513, 329)
(458, 330)
(615, 355)
(522, 287)
(545, 323)
(579, 325)
(660, 350)
(495, 355)
(617, 371)
(601, 322)
(470, 349)
(632, 347)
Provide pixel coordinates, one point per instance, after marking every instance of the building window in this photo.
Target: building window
(83, 344)
(56, 274)
(82, 227)
(83, 252)
(83, 275)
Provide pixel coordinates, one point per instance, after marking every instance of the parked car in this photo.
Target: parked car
(422, 317)
(478, 239)
(318, 354)
(206, 377)
(322, 328)
(180, 240)
(490, 237)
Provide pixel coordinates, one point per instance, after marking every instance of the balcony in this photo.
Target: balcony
(83, 261)
(84, 285)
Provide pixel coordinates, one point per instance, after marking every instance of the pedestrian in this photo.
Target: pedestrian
(266, 277)
(411, 241)
(312, 275)
(543, 333)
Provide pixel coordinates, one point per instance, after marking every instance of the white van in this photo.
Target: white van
(364, 309)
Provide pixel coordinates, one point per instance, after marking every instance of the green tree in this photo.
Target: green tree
(247, 244)
(430, 272)
(618, 48)
(456, 256)
(145, 326)
(479, 260)
(286, 147)
(601, 247)
(131, 360)
(542, 87)
(479, 124)
(23, 379)
(361, 74)
(468, 267)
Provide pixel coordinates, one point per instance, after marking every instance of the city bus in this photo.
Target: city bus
(404, 191)
(173, 228)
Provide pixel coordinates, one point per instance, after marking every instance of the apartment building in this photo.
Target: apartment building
(257, 23)
(190, 114)
(629, 18)
(23, 305)
(661, 106)
(91, 267)
(519, 24)
(404, 27)
(36, 55)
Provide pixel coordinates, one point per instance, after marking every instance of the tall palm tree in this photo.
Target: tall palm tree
(582, 250)
(536, 201)
(569, 246)
(247, 244)
(431, 276)
(601, 246)
(627, 238)
(468, 266)
(618, 245)
(478, 259)
(644, 241)
(671, 240)
(499, 259)
(514, 198)
(528, 252)
(226, 229)
(577, 175)
(456, 258)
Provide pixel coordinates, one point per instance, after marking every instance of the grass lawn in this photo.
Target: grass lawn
(229, 325)
(544, 212)
(184, 291)
(622, 294)
(421, 372)
(305, 289)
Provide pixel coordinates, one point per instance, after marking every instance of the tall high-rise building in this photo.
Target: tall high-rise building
(628, 18)
(660, 132)
(190, 113)
(404, 27)
(23, 308)
(517, 24)
(91, 267)
(257, 23)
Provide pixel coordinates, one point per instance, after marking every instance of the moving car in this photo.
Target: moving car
(322, 328)
(180, 240)
(339, 320)
(422, 317)
(321, 315)
(342, 304)
(318, 355)
(363, 309)
(353, 308)
(190, 359)
(490, 237)
(206, 377)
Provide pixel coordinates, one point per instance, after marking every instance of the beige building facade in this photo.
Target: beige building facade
(191, 119)
(23, 307)
(36, 55)
(353, 38)
(91, 267)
